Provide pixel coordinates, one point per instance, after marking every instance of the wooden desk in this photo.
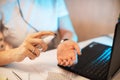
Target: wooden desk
(45, 65)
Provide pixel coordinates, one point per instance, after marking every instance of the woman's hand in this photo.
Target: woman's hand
(29, 48)
(66, 52)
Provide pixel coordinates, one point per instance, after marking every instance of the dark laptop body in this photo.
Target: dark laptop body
(99, 61)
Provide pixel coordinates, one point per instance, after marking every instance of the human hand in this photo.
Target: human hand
(29, 48)
(66, 52)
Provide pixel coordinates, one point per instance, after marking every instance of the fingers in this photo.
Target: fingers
(30, 46)
(30, 55)
(33, 49)
(35, 39)
(67, 60)
(39, 43)
(43, 33)
(77, 48)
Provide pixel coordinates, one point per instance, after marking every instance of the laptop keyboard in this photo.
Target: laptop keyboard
(99, 67)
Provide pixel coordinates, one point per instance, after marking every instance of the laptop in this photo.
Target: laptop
(99, 61)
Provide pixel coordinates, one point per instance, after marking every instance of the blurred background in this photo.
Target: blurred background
(93, 18)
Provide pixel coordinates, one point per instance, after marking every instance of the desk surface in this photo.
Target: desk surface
(45, 66)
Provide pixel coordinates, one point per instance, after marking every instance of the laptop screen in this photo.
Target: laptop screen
(115, 57)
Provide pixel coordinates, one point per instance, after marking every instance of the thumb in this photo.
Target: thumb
(77, 48)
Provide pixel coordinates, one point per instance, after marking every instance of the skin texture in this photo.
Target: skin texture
(26, 49)
(66, 53)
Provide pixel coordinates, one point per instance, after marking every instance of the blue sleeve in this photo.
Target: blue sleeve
(61, 8)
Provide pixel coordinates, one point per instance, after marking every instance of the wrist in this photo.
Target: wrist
(63, 40)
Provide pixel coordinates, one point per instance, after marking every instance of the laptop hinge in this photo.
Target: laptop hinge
(119, 18)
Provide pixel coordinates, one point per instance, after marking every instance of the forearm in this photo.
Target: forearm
(7, 56)
(66, 29)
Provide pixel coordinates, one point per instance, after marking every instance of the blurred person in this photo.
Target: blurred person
(28, 20)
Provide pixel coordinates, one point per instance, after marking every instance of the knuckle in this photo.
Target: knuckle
(32, 58)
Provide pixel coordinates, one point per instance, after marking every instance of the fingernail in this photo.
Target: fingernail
(55, 34)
